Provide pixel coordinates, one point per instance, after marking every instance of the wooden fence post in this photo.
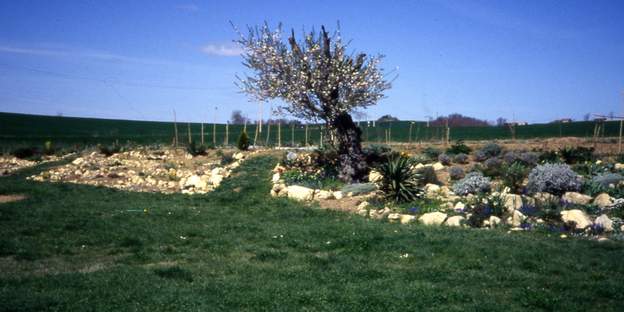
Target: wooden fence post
(202, 133)
(226, 142)
(620, 139)
(306, 134)
(188, 127)
(268, 132)
(279, 134)
(175, 130)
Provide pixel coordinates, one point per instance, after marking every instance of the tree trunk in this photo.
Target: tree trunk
(353, 167)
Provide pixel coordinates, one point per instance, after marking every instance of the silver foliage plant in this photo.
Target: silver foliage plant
(473, 183)
(554, 178)
(316, 77)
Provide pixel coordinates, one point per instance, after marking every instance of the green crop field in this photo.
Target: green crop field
(34, 130)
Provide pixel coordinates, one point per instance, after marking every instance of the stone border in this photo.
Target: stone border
(513, 204)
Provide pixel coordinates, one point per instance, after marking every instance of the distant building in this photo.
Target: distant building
(516, 123)
(563, 120)
(600, 119)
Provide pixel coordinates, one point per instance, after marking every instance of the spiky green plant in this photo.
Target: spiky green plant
(399, 180)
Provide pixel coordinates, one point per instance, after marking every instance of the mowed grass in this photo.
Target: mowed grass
(70, 247)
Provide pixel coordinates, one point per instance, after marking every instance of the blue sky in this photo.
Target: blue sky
(532, 60)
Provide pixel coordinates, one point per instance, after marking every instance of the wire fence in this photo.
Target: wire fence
(31, 130)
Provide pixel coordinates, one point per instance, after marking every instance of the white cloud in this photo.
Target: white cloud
(86, 54)
(18, 50)
(187, 7)
(221, 50)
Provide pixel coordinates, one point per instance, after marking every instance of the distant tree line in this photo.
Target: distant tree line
(458, 120)
(237, 118)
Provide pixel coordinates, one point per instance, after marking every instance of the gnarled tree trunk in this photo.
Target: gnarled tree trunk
(353, 167)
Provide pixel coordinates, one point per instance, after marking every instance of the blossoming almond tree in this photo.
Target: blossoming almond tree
(317, 80)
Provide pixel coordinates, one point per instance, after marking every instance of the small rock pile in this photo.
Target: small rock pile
(143, 170)
(10, 164)
(297, 192)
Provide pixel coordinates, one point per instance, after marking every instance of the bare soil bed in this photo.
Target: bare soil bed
(603, 146)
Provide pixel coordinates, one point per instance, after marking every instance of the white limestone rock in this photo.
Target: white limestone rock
(516, 218)
(394, 217)
(576, 216)
(576, 198)
(323, 194)
(513, 202)
(374, 176)
(455, 221)
(300, 193)
(407, 219)
(433, 218)
(603, 200)
(604, 222)
(438, 166)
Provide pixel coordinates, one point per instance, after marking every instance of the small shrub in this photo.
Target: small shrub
(493, 167)
(376, 154)
(607, 179)
(472, 183)
(461, 158)
(24, 152)
(491, 150)
(549, 210)
(399, 181)
(109, 150)
(420, 159)
(458, 148)
(529, 158)
(48, 148)
(456, 173)
(478, 214)
(444, 159)
(592, 189)
(480, 156)
(549, 157)
(598, 186)
(513, 175)
(432, 152)
(482, 209)
(526, 158)
(553, 178)
(326, 159)
(196, 150)
(579, 154)
(227, 158)
(296, 177)
(427, 176)
(243, 141)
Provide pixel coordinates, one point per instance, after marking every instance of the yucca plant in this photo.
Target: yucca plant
(399, 181)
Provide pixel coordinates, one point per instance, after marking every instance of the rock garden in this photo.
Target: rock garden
(148, 169)
(571, 191)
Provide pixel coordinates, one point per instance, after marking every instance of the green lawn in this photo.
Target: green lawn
(69, 247)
